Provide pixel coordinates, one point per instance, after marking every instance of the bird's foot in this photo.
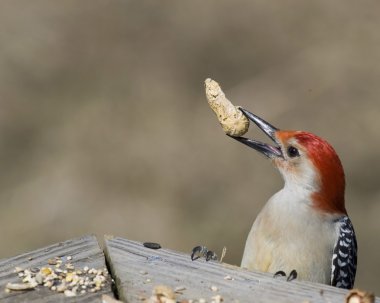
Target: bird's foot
(202, 251)
(279, 273)
(292, 276)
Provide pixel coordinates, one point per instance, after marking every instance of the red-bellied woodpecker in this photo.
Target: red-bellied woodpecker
(304, 226)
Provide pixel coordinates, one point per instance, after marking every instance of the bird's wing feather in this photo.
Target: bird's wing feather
(343, 267)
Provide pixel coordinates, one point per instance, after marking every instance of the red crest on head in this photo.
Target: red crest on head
(330, 198)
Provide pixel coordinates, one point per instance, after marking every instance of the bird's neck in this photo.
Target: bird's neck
(325, 193)
(304, 197)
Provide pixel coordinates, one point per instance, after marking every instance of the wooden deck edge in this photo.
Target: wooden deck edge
(111, 268)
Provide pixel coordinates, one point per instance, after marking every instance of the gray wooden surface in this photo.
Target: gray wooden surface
(85, 251)
(137, 270)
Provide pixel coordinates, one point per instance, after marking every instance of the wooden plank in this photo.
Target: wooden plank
(85, 251)
(137, 270)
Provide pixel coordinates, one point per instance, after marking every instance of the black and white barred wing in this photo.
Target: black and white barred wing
(343, 268)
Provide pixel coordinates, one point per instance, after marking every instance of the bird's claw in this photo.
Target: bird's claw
(202, 251)
(292, 276)
(279, 273)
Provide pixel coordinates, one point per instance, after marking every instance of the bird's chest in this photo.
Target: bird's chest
(286, 238)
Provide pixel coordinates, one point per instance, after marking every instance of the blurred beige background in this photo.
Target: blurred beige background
(104, 127)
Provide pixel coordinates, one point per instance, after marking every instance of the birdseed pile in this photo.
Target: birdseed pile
(61, 277)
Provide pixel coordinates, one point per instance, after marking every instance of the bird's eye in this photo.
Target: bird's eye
(293, 152)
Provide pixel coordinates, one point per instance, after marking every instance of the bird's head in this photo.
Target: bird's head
(307, 163)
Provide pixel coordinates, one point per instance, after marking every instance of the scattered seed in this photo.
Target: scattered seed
(143, 272)
(69, 293)
(217, 299)
(39, 278)
(52, 261)
(69, 258)
(214, 288)
(35, 270)
(163, 291)
(20, 286)
(179, 289)
(69, 277)
(224, 251)
(46, 271)
(152, 245)
(357, 295)
(228, 278)
(201, 300)
(62, 287)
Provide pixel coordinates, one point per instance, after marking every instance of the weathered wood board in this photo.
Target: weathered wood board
(85, 251)
(137, 270)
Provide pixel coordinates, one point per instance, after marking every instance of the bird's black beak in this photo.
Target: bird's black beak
(268, 150)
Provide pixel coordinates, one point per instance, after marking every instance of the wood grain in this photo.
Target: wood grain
(137, 270)
(85, 251)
